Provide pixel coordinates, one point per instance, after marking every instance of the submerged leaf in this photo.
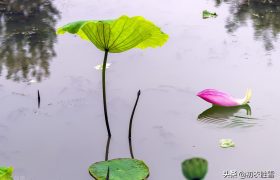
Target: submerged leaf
(6, 173)
(226, 143)
(120, 169)
(207, 14)
(195, 168)
(118, 35)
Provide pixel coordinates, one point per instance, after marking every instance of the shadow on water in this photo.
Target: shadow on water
(228, 117)
(27, 37)
(263, 14)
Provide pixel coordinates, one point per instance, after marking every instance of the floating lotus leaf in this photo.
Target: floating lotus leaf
(6, 173)
(118, 35)
(120, 169)
(195, 168)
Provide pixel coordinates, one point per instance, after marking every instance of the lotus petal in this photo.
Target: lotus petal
(219, 98)
(118, 35)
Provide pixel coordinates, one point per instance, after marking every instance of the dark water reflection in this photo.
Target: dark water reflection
(228, 117)
(27, 37)
(263, 14)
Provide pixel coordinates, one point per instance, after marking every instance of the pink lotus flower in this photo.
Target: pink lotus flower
(219, 98)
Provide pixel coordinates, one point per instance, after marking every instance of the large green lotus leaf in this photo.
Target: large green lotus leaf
(120, 169)
(6, 173)
(73, 28)
(118, 35)
(195, 168)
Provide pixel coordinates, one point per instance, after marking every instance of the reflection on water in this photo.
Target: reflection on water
(228, 117)
(27, 37)
(264, 15)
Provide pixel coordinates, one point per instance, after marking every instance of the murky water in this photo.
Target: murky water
(236, 50)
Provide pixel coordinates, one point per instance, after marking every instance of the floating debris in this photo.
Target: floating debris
(226, 143)
(99, 67)
(31, 81)
(206, 14)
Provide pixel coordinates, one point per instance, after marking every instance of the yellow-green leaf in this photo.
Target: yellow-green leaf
(6, 173)
(118, 35)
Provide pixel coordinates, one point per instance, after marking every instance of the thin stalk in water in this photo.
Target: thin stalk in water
(104, 92)
(130, 124)
(39, 98)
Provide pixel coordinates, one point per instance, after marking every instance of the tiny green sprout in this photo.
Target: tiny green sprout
(116, 36)
(206, 14)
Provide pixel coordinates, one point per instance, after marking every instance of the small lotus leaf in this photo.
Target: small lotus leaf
(6, 173)
(195, 168)
(120, 169)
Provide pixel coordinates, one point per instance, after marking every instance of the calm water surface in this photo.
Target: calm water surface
(237, 50)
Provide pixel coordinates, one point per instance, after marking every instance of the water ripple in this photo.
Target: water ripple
(228, 117)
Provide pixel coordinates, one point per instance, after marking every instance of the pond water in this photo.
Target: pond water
(237, 50)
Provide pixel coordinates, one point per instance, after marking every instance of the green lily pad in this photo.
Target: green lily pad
(207, 14)
(120, 169)
(6, 173)
(226, 143)
(118, 35)
(195, 168)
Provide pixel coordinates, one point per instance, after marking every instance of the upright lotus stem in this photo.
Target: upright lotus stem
(104, 92)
